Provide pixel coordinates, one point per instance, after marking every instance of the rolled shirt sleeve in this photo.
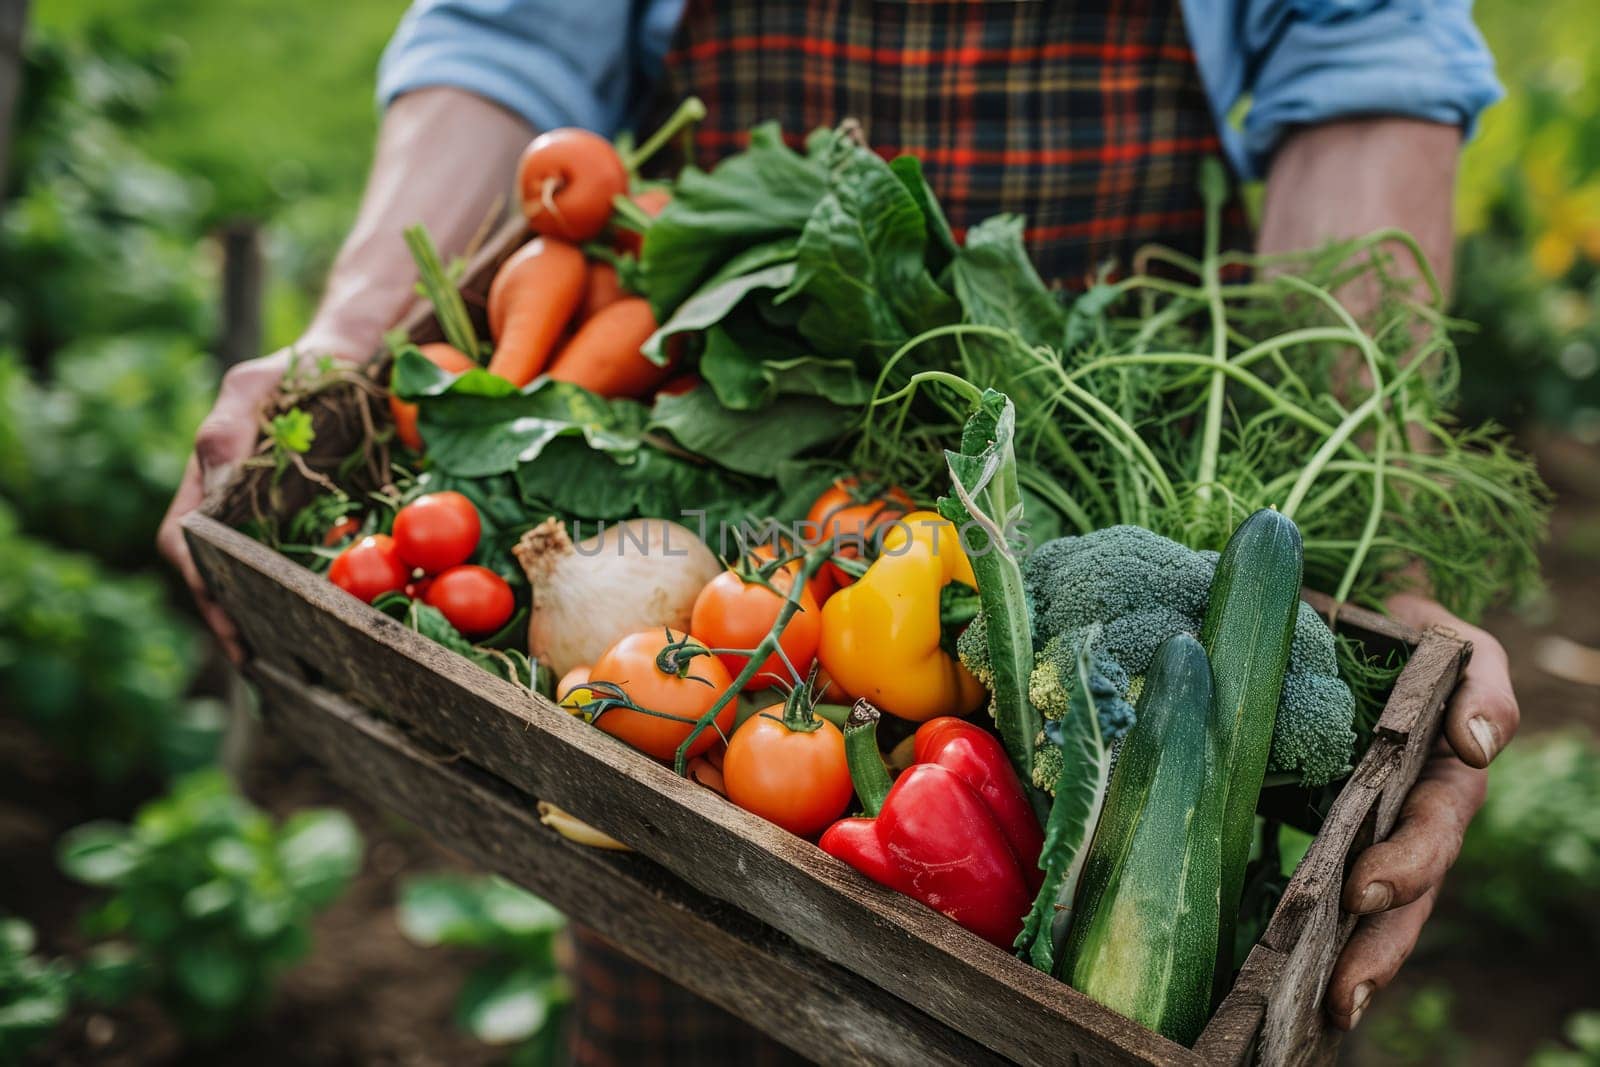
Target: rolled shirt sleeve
(1309, 61)
(553, 62)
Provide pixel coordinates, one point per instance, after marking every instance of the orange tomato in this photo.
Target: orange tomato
(674, 697)
(797, 779)
(733, 613)
(855, 518)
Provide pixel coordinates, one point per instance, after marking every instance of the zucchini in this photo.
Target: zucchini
(1249, 624)
(1145, 941)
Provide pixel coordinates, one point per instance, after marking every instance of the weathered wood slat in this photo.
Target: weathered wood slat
(815, 1007)
(291, 617)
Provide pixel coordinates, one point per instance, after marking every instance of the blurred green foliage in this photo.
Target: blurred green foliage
(517, 995)
(98, 662)
(213, 898)
(33, 991)
(1582, 1049)
(1530, 864)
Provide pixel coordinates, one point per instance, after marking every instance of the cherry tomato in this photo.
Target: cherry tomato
(369, 568)
(437, 531)
(476, 600)
(342, 530)
(686, 691)
(856, 518)
(797, 779)
(733, 613)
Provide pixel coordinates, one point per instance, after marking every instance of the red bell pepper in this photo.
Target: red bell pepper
(955, 831)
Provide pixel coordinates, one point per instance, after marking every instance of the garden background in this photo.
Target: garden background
(179, 175)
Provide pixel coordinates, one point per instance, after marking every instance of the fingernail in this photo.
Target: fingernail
(1484, 733)
(1375, 897)
(1358, 1002)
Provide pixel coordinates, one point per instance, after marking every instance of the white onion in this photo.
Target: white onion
(642, 574)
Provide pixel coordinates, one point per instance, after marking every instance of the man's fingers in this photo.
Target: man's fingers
(1483, 715)
(1376, 950)
(1426, 840)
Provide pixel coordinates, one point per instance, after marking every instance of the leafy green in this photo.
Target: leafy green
(519, 991)
(214, 899)
(711, 304)
(755, 441)
(762, 194)
(998, 286)
(986, 506)
(861, 265)
(1080, 794)
(34, 993)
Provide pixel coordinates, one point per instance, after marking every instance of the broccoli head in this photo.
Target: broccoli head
(1141, 589)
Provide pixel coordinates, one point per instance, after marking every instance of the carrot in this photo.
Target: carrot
(532, 297)
(443, 356)
(651, 201)
(603, 289)
(604, 357)
(567, 179)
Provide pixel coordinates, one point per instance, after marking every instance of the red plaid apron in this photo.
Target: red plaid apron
(1085, 116)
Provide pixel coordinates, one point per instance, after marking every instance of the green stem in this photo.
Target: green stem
(448, 307)
(867, 771)
(1370, 530)
(797, 715)
(1211, 429)
(814, 560)
(690, 111)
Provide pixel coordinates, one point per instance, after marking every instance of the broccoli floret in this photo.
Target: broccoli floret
(1143, 588)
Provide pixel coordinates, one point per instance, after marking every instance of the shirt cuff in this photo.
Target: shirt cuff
(1340, 60)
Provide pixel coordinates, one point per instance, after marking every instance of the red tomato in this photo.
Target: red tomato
(476, 600)
(677, 696)
(369, 568)
(437, 531)
(856, 518)
(342, 530)
(733, 613)
(797, 779)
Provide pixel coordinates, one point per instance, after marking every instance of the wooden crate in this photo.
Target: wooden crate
(729, 905)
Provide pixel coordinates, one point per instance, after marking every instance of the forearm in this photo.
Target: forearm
(445, 158)
(1348, 178)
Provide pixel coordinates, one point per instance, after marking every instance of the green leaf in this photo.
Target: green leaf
(986, 506)
(98, 853)
(750, 442)
(909, 170)
(997, 284)
(292, 431)
(1080, 794)
(444, 909)
(210, 975)
(518, 912)
(321, 852)
(477, 424)
(861, 262)
(750, 365)
(577, 482)
(760, 195)
(501, 1004)
(111, 972)
(711, 304)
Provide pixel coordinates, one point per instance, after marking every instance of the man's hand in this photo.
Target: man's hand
(225, 439)
(1395, 882)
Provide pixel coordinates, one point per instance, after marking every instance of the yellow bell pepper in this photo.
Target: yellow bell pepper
(880, 635)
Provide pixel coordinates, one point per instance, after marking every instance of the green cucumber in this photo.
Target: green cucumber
(1145, 941)
(1248, 627)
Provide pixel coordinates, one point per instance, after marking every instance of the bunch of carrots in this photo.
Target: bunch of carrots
(557, 306)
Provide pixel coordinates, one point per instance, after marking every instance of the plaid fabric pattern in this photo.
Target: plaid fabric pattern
(624, 1014)
(1087, 117)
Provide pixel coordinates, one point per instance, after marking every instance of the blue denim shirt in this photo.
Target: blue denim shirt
(589, 62)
